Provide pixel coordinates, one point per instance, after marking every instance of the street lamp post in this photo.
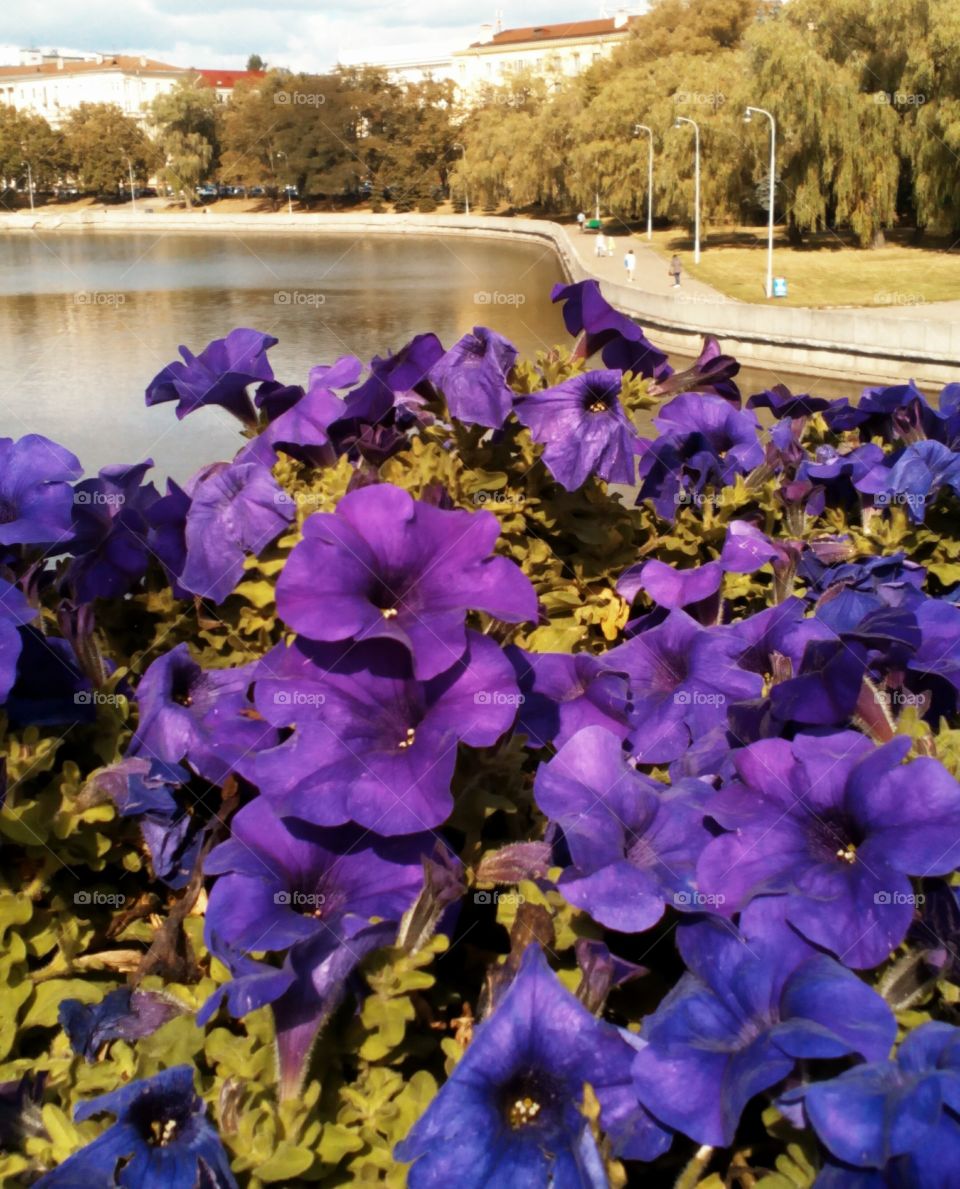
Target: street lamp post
(649, 131)
(281, 153)
(466, 191)
(747, 115)
(29, 184)
(696, 182)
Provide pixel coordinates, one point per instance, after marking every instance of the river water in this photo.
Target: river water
(86, 320)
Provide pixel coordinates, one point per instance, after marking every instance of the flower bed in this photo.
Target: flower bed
(458, 788)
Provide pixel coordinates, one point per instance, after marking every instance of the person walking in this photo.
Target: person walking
(600, 247)
(630, 264)
(582, 221)
(675, 270)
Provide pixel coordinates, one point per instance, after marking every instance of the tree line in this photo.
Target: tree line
(866, 94)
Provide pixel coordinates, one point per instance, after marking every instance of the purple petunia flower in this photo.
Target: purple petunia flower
(633, 843)
(712, 372)
(321, 899)
(563, 693)
(783, 403)
(900, 1116)
(386, 566)
(219, 375)
(397, 385)
(682, 678)
(198, 715)
(473, 378)
(110, 523)
(846, 592)
(371, 743)
(15, 612)
(301, 431)
(235, 509)
(913, 478)
(835, 826)
(621, 341)
(161, 1139)
(148, 791)
(36, 500)
(510, 1113)
(123, 1014)
(584, 429)
(752, 1004)
(672, 588)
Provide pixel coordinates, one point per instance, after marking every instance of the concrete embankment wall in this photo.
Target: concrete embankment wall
(867, 344)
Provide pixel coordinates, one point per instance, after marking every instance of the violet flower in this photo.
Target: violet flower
(584, 429)
(633, 843)
(161, 1139)
(834, 826)
(387, 567)
(473, 378)
(622, 343)
(219, 375)
(372, 744)
(320, 900)
(36, 500)
(510, 1113)
(752, 1004)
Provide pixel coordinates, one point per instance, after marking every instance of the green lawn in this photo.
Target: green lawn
(827, 273)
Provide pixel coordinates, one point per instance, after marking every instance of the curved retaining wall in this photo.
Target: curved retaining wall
(863, 343)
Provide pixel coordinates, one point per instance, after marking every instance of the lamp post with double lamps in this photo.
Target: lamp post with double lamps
(466, 192)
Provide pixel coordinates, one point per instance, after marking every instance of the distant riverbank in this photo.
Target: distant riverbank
(878, 346)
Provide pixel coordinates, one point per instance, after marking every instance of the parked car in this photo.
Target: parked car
(256, 192)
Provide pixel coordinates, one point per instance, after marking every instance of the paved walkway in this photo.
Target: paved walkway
(651, 272)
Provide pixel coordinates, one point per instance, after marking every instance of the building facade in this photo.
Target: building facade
(53, 85)
(545, 51)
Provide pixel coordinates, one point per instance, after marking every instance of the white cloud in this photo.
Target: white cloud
(293, 34)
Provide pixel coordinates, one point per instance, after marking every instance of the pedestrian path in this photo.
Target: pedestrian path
(651, 271)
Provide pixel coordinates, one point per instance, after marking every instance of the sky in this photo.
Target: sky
(297, 34)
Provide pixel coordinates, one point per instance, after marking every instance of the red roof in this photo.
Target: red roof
(553, 32)
(226, 78)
